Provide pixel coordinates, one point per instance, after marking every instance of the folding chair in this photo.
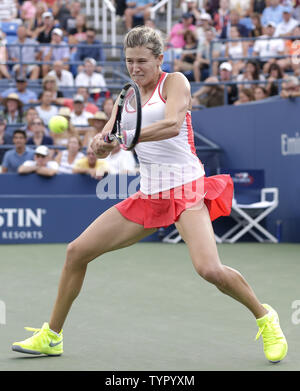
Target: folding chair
(251, 204)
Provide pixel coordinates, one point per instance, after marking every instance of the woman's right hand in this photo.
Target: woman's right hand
(101, 148)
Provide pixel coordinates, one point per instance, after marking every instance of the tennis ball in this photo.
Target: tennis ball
(58, 124)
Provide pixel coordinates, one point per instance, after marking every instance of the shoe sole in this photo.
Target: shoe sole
(19, 349)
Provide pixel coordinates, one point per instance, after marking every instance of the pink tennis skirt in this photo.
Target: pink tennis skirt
(164, 208)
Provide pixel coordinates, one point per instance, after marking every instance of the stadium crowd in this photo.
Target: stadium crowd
(239, 50)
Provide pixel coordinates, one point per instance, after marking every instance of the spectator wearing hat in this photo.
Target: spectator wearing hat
(203, 23)
(39, 136)
(268, 49)
(213, 95)
(24, 94)
(286, 27)
(79, 116)
(90, 78)
(97, 123)
(63, 77)
(46, 110)
(28, 54)
(90, 165)
(43, 34)
(18, 155)
(175, 38)
(140, 8)
(272, 13)
(59, 50)
(13, 109)
(191, 6)
(40, 164)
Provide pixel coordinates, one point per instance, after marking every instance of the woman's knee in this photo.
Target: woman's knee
(213, 274)
(76, 255)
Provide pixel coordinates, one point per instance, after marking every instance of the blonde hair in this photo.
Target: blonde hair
(146, 37)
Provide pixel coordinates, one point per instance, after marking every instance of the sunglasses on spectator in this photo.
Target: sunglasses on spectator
(38, 123)
(38, 155)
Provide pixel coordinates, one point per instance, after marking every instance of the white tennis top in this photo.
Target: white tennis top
(167, 163)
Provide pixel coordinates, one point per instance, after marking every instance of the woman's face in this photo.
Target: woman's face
(74, 144)
(12, 105)
(234, 33)
(244, 98)
(259, 94)
(250, 68)
(142, 66)
(274, 73)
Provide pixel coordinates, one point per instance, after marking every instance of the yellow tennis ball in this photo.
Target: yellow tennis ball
(58, 124)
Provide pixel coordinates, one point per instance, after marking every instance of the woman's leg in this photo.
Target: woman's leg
(108, 232)
(196, 229)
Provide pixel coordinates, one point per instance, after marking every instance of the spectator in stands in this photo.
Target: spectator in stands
(43, 34)
(90, 165)
(46, 110)
(268, 49)
(290, 87)
(28, 54)
(245, 96)
(204, 23)
(213, 95)
(61, 10)
(257, 6)
(175, 39)
(191, 6)
(79, 117)
(54, 53)
(221, 18)
(286, 27)
(121, 161)
(136, 8)
(88, 105)
(39, 136)
(25, 95)
(92, 49)
(12, 109)
(77, 34)
(18, 155)
(69, 21)
(234, 20)
(107, 106)
(8, 10)
(275, 74)
(63, 77)
(272, 13)
(97, 123)
(68, 158)
(62, 139)
(4, 72)
(49, 84)
(260, 93)
(236, 50)
(201, 65)
(37, 21)
(30, 115)
(5, 138)
(40, 164)
(28, 10)
(292, 51)
(89, 77)
(257, 30)
(251, 73)
(188, 54)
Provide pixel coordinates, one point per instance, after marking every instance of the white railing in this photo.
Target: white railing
(162, 3)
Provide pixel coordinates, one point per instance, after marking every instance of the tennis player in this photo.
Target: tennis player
(173, 189)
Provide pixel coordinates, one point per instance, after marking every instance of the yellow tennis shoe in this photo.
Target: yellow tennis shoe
(275, 345)
(43, 341)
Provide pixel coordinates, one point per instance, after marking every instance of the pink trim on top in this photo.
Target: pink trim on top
(159, 89)
(158, 84)
(188, 119)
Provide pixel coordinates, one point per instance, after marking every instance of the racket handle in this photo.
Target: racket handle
(108, 138)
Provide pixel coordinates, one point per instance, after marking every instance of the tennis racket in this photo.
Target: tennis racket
(127, 126)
